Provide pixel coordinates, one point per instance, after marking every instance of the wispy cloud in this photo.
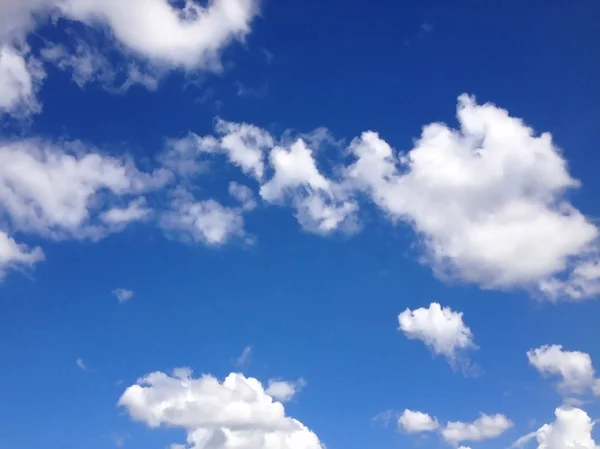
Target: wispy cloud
(244, 357)
(81, 364)
(122, 294)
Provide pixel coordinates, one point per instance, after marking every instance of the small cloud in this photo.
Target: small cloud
(81, 364)
(251, 92)
(283, 390)
(122, 294)
(385, 417)
(244, 357)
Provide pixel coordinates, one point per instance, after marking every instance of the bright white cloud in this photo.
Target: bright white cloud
(572, 429)
(322, 206)
(575, 368)
(20, 78)
(192, 37)
(122, 294)
(15, 255)
(234, 414)
(486, 427)
(441, 329)
(204, 221)
(284, 390)
(155, 32)
(487, 200)
(414, 422)
(54, 190)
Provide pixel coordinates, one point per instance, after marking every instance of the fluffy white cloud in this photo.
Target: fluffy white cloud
(574, 367)
(16, 255)
(20, 78)
(122, 294)
(572, 429)
(487, 200)
(413, 422)
(284, 390)
(486, 427)
(158, 33)
(243, 144)
(205, 221)
(190, 37)
(441, 329)
(234, 414)
(67, 190)
(322, 206)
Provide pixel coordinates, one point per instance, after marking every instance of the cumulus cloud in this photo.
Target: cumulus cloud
(414, 422)
(122, 294)
(235, 413)
(486, 427)
(17, 255)
(572, 429)
(487, 200)
(284, 390)
(157, 33)
(441, 329)
(204, 221)
(573, 367)
(62, 190)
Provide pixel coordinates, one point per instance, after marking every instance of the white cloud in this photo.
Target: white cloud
(192, 37)
(61, 191)
(204, 221)
(156, 33)
(413, 422)
(20, 78)
(322, 206)
(284, 390)
(487, 200)
(122, 294)
(16, 255)
(574, 367)
(441, 329)
(136, 210)
(572, 429)
(486, 427)
(234, 414)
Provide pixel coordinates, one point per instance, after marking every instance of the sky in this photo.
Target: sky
(244, 224)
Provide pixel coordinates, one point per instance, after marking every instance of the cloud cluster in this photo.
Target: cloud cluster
(485, 427)
(236, 413)
(441, 329)
(486, 201)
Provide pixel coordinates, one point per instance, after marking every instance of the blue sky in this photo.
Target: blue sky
(354, 224)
